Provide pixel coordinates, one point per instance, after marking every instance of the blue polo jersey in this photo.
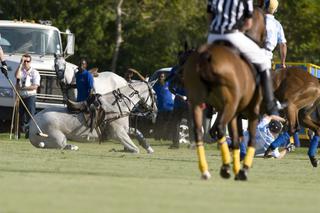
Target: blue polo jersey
(178, 102)
(164, 97)
(84, 82)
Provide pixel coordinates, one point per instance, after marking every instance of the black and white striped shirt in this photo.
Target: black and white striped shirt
(228, 15)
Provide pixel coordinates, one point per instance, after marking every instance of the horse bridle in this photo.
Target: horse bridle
(143, 102)
(60, 67)
(119, 97)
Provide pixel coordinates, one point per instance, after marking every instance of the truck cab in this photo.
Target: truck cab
(42, 42)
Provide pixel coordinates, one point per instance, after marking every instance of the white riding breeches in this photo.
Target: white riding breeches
(246, 46)
(269, 54)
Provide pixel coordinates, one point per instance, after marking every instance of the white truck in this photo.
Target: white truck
(41, 41)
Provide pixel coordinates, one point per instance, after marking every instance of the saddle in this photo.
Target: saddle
(93, 116)
(76, 107)
(94, 72)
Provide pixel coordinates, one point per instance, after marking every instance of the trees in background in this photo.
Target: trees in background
(153, 32)
(301, 21)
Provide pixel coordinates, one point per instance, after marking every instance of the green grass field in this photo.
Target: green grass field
(94, 179)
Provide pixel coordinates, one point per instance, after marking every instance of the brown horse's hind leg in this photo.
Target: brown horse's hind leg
(203, 165)
(217, 131)
(312, 122)
(225, 117)
(292, 111)
(248, 160)
(233, 130)
(309, 96)
(308, 120)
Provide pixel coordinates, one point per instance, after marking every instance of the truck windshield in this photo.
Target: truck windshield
(30, 40)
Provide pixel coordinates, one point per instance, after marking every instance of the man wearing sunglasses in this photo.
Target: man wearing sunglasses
(28, 81)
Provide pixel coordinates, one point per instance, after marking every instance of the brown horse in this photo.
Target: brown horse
(301, 91)
(217, 74)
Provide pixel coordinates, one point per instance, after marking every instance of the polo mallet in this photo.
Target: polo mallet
(17, 118)
(24, 105)
(14, 118)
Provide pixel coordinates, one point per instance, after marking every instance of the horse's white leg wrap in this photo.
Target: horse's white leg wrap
(206, 175)
(122, 135)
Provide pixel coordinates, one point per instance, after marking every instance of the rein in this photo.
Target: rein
(65, 88)
(119, 97)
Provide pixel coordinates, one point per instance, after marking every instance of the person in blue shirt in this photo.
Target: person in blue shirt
(84, 81)
(180, 105)
(164, 105)
(275, 33)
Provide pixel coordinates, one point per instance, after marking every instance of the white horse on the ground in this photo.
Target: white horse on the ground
(60, 125)
(104, 82)
(73, 124)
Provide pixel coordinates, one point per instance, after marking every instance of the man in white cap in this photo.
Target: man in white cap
(275, 33)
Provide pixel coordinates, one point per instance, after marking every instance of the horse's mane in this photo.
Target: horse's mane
(258, 31)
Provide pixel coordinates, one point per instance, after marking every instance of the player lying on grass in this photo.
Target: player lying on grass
(267, 131)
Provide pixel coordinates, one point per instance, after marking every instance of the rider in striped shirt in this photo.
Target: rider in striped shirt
(228, 20)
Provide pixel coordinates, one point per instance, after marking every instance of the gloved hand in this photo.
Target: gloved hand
(4, 68)
(290, 147)
(182, 97)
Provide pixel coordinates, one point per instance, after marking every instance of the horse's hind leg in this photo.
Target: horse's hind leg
(55, 140)
(311, 115)
(121, 134)
(234, 133)
(142, 141)
(218, 131)
(227, 115)
(203, 165)
(248, 160)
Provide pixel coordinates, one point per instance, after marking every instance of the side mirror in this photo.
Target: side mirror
(70, 43)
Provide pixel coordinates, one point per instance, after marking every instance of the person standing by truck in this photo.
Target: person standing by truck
(84, 81)
(4, 67)
(28, 81)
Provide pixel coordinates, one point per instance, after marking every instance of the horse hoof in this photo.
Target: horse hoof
(71, 147)
(314, 161)
(150, 150)
(225, 171)
(242, 175)
(206, 175)
(268, 153)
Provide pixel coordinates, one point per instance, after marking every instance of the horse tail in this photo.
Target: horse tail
(137, 73)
